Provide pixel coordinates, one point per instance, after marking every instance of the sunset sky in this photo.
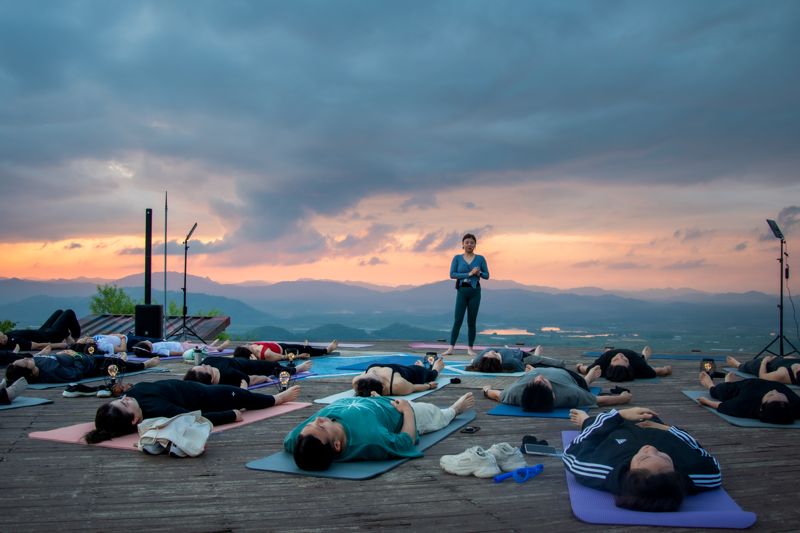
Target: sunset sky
(624, 145)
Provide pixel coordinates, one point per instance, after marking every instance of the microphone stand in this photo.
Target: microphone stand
(185, 327)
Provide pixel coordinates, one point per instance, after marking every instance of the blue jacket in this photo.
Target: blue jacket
(459, 269)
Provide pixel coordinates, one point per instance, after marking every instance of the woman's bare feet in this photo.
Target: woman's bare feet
(289, 395)
(577, 417)
(222, 346)
(593, 374)
(46, 350)
(470, 352)
(463, 403)
(538, 350)
(647, 352)
(305, 367)
(332, 346)
(153, 361)
(705, 380)
(729, 377)
(448, 351)
(438, 365)
(730, 361)
(581, 369)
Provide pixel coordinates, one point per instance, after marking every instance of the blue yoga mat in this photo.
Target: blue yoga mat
(42, 386)
(711, 509)
(283, 461)
(505, 409)
(735, 420)
(24, 401)
(383, 360)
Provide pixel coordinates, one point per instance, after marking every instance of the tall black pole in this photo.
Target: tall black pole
(780, 305)
(148, 256)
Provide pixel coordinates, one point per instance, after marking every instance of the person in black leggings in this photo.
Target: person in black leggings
(56, 329)
(238, 371)
(396, 380)
(220, 404)
(67, 366)
(625, 365)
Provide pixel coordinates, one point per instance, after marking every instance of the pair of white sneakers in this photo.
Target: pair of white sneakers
(501, 457)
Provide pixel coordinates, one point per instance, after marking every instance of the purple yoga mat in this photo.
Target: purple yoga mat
(713, 509)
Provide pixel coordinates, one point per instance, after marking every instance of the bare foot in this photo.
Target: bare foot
(647, 352)
(580, 368)
(730, 361)
(418, 363)
(538, 350)
(448, 351)
(46, 350)
(730, 376)
(153, 361)
(333, 345)
(223, 345)
(438, 365)
(470, 352)
(123, 356)
(706, 381)
(593, 374)
(289, 395)
(305, 367)
(577, 417)
(463, 403)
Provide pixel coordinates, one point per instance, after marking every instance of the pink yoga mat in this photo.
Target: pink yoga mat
(74, 434)
(434, 346)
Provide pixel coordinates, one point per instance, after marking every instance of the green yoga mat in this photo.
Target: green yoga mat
(24, 401)
(42, 386)
(735, 420)
(283, 461)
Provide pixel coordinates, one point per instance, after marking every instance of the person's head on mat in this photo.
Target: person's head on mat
(490, 362)
(243, 351)
(22, 368)
(319, 443)
(114, 419)
(775, 409)
(651, 483)
(143, 348)
(619, 369)
(85, 345)
(538, 396)
(366, 385)
(203, 374)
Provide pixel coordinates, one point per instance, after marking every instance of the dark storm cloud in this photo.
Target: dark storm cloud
(310, 106)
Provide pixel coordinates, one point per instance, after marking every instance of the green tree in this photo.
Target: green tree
(112, 300)
(173, 309)
(7, 325)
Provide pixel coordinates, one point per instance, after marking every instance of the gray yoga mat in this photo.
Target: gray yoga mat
(24, 401)
(711, 509)
(735, 420)
(673, 356)
(283, 461)
(504, 409)
(42, 386)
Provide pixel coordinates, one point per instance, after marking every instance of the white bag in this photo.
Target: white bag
(183, 435)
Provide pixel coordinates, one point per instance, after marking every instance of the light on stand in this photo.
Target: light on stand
(283, 379)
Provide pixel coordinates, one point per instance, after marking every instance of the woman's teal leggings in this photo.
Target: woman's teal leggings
(469, 300)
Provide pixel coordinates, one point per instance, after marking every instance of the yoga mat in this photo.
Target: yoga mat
(275, 381)
(24, 401)
(437, 345)
(379, 360)
(442, 381)
(673, 356)
(328, 365)
(710, 509)
(74, 434)
(42, 386)
(325, 344)
(468, 373)
(745, 375)
(504, 409)
(136, 359)
(283, 462)
(735, 420)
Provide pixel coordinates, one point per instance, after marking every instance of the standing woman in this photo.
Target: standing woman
(467, 269)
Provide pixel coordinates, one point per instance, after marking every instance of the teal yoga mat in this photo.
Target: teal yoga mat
(673, 356)
(504, 409)
(42, 386)
(283, 461)
(24, 401)
(735, 420)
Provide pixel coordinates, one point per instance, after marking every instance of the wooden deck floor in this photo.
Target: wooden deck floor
(49, 486)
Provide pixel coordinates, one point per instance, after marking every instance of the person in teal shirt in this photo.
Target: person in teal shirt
(467, 269)
(367, 429)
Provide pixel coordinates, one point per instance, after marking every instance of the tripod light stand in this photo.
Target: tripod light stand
(184, 327)
(784, 272)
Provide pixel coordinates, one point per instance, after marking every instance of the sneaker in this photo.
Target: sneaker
(475, 460)
(79, 389)
(508, 457)
(104, 393)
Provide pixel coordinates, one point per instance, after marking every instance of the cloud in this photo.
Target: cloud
(422, 201)
(375, 238)
(372, 262)
(588, 264)
(691, 234)
(787, 220)
(627, 265)
(73, 246)
(176, 248)
(742, 246)
(686, 265)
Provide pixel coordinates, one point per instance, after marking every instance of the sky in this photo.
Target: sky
(622, 145)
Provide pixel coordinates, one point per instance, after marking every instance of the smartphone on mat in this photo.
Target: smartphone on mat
(538, 449)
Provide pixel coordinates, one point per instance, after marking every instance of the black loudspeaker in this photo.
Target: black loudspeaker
(148, 321)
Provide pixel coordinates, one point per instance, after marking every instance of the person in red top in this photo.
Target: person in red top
(279, 351)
